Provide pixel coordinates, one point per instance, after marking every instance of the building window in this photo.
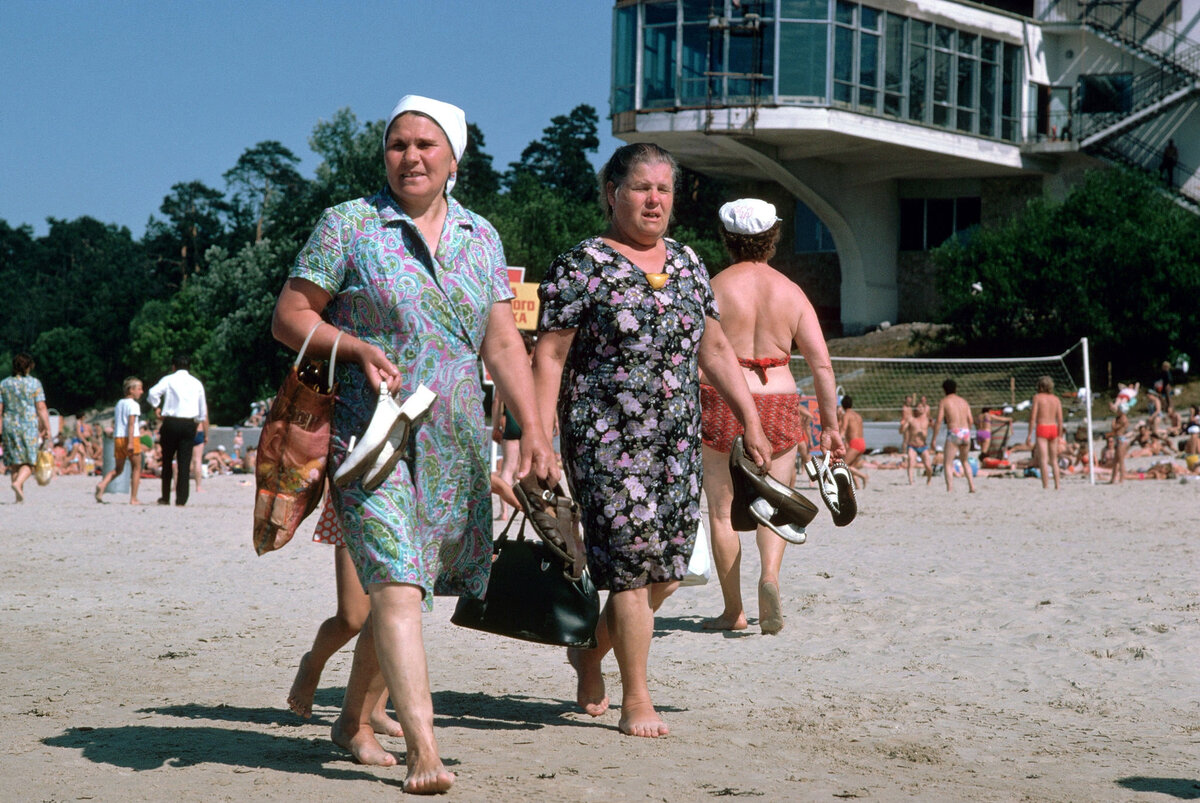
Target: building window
(926, 223)
(843, 53)
(812, 236)
(624, 62)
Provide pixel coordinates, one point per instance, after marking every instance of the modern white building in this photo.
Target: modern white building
(881, 128)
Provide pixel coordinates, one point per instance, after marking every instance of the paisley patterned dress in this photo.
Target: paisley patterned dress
(429, 524)
(20, 395)
(629, 406)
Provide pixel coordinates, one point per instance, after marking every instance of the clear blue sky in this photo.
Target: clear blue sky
(106, 104)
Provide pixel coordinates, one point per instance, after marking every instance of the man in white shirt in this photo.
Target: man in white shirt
(180, 402)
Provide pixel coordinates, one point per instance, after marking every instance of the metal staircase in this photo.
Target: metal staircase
(1173, 79)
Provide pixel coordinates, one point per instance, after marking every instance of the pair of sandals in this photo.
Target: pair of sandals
(374, 456)
(555, 519)
(759, 498)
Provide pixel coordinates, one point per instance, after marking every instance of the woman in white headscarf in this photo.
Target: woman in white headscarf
(417, 286)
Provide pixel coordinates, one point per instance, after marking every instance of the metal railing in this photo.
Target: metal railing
(1148, 36)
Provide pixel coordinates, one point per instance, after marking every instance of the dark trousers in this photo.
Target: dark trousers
(178, 438)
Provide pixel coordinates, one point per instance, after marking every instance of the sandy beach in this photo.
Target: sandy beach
(1011, 645)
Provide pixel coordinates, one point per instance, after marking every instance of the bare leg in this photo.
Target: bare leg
(102, 486)
(726, 544)
(631, 626)
(396, 613)
(948, 462)
(964, 451)
(22, 473)
(910, 463)
(352, 729)
(590, 691)
(510, 461)
(135, 477)
(770, 552)
(1052, 448)
(333, 634)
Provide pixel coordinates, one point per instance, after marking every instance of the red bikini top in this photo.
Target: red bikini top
(762, 365)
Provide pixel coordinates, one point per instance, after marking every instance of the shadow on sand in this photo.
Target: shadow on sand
(1182, 788)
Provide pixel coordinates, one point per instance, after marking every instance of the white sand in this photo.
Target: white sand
(1012, 645)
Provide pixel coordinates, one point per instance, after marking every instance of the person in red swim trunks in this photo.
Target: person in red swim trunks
(764, 315)
(856, 444)
(1046, 422)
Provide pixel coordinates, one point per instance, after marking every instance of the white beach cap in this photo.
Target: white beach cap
(453, 122)
(747, 216)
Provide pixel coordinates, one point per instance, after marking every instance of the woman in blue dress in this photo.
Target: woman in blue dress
(418, 287)
(25, 421)
(627, 319)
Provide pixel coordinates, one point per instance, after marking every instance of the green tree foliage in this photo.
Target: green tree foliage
(70, 366)
(261, 180)
(1117, 262)
(161, 329)
(195, 219)
(352, 158)
(536, 224)
(234, 299)
(559, 159)
(477, 182)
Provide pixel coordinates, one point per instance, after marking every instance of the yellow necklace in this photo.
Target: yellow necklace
(657, 280)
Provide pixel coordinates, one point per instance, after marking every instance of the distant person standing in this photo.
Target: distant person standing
(179, 399)
(1170, 158)
(127, 440)
(852, 436)
(23, 418)
(955, 413)
(1046, 423)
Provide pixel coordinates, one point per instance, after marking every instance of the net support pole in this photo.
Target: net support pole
(1087, 387)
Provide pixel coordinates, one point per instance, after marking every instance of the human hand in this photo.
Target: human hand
(758, 446)
(376, 367)
(538, 456)
(832, 444)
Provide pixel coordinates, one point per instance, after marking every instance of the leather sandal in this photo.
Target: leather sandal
(555, 518)
(759, 498)
(837, 488)
(414, 410)
(364, 451)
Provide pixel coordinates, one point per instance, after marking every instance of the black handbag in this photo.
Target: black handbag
(530, 597)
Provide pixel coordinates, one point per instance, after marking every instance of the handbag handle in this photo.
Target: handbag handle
(332, 354)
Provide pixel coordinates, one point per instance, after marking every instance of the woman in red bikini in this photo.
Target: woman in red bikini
(764, 316)
(1046, 422)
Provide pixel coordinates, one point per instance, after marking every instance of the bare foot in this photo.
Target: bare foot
(426, 777)
(382, 723)
(726, 622)
(361, 742)
(19, 494)
(589, 692)
(99, 494)
(303, 688)
(134, 502)
(640, 719)
(770, 611)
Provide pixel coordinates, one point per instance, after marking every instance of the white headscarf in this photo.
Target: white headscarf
(451, 119)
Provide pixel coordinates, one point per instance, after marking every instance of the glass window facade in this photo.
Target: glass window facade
(926, 223)
(689, 53)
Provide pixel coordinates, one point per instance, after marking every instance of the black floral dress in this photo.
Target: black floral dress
(629, 406)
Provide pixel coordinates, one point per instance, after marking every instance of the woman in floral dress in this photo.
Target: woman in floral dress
(627, 319)
(25, 419)
(418, 287)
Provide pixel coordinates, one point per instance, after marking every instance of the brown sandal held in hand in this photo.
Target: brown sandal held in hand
(555, 518)
(759, 498)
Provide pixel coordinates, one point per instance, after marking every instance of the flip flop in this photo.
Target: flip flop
(364, 451)
(414, 410)
(555, 518)
(836, 486)
(759, 498)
